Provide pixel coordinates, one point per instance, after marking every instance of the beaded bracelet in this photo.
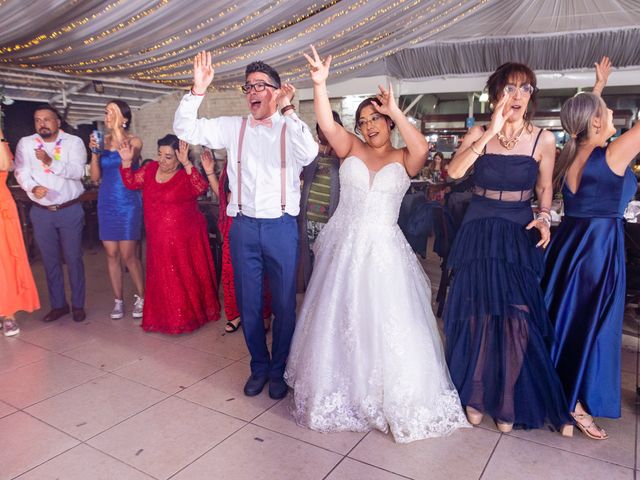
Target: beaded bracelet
(543, 219)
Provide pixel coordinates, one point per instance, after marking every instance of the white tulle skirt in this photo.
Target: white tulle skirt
(366, 352)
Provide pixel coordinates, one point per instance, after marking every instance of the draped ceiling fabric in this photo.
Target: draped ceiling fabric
(154, 40)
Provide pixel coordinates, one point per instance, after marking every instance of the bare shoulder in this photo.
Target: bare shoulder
(546, 138)
(358, 147)
(475, 132)
(546, 143)
(135, 141)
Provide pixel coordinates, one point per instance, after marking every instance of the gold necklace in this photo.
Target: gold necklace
(510, 142)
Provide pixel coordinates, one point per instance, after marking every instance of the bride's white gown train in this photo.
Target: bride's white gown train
(366, 352)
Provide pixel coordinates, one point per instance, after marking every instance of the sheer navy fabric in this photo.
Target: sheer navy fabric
(119, 209)
(584, 286)
(498, 333)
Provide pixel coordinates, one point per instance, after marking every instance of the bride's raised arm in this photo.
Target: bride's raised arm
(417, 146)
(341, 141)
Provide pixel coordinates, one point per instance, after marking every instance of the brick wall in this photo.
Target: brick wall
(155, 120)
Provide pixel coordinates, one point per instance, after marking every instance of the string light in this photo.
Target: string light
(172, 66)
(63, 30)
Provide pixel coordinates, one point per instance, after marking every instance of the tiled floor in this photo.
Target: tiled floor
(104, 400)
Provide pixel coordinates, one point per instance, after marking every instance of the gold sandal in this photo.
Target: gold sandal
(580, 417)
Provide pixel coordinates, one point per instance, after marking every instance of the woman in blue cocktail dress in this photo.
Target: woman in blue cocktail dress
(498, 333)
(584, 280)
(119, 209)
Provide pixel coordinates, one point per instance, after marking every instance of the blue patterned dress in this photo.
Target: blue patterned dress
(119, 209)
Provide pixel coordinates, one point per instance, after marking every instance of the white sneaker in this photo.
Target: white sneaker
(138, 306)
(118, 310)
(10, 328)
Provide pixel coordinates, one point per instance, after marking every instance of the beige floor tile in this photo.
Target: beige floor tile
(16, 353)
(30, 322)
(93, 407)
(254, 453)
(166, 437)
(223, 391)
(460, 456)
(353, 470)
(114, 348)
(216, 341)
(279, 419)
(27, 442)
(629, 398)
(64, 334)
(173, 368)
(106, 354)
(516, 458)
(629, 360)
(619, 448)
(84, 463)
(40, 380)
(6, 409)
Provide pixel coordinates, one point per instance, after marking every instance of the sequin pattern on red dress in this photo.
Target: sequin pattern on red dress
(181, 286)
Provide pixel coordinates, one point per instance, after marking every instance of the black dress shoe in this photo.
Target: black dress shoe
(55, 314)
(254, 385)
(78, 314)
(278, 389)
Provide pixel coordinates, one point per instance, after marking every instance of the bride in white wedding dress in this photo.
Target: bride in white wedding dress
(366, 352)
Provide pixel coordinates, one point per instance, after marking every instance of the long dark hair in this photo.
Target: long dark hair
(575, 116)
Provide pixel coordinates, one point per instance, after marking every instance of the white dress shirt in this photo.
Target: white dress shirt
(63, 178)
(261, 181)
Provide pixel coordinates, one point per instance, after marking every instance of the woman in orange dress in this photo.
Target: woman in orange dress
(17, 288)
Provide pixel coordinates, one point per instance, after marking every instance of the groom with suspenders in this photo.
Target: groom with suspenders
(266, 152)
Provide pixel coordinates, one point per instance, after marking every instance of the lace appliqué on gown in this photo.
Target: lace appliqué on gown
(366, 351)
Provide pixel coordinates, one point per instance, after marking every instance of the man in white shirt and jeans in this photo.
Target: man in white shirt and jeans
(266, 153)
(49, 167)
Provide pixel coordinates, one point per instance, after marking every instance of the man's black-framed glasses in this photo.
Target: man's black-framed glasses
(258, 87)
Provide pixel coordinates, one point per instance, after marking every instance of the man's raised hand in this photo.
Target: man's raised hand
(202, 72)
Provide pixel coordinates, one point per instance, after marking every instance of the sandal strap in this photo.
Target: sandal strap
(582, 416)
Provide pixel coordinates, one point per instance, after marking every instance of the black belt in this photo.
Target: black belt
(55, 208)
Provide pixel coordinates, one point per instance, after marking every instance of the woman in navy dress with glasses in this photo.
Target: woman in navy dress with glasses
(498, 333)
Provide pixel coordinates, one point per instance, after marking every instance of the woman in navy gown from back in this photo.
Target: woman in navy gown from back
(498, 333)
(584, 280)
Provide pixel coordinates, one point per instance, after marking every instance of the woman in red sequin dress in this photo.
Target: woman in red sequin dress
(182, 291)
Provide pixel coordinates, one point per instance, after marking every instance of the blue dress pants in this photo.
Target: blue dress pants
(259, 246)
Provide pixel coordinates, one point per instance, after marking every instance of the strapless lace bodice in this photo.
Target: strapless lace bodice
(372, 198)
